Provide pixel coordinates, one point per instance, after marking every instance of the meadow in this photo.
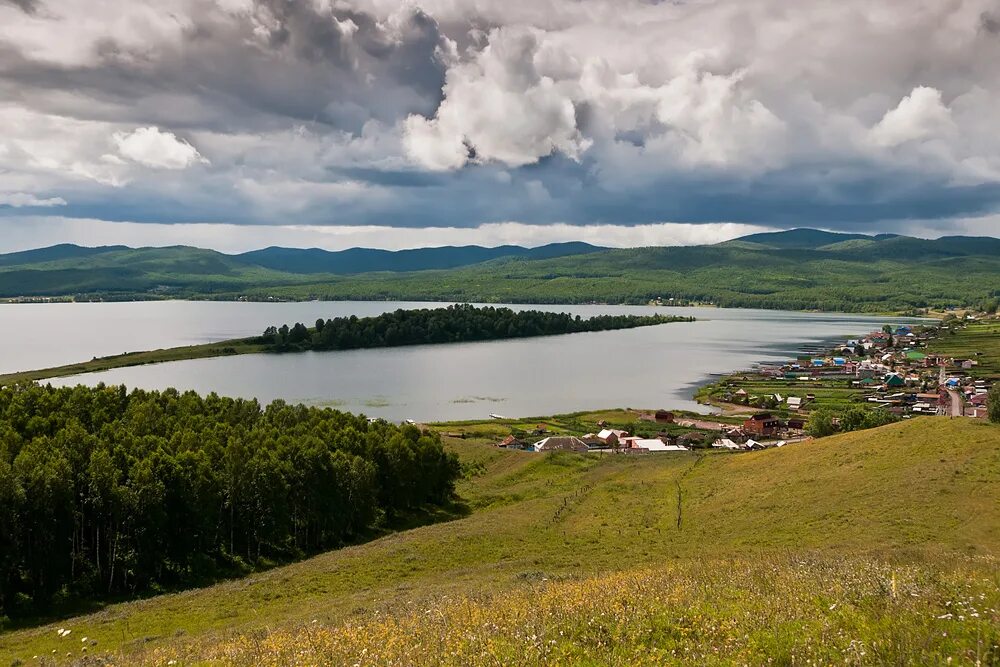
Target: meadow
(978, 340)
(868, 547)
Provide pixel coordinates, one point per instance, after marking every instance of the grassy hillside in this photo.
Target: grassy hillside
(979, 341)
(822, 550)
(800, 269)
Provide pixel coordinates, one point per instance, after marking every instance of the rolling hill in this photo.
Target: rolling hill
(366, 260)
(797, 269)
(874, 540)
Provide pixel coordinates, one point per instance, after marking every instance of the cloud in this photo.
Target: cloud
(498, 107)
(27, 6)
(24, 199)
(24, 233)
(920, 115)
(444, 114)
(153, 148)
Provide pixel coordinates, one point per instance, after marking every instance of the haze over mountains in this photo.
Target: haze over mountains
(801, 269)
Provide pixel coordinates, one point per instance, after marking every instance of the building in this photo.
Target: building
(762, 423)
(611, 437)
(664, 416)
(554, 443)
(650, 445)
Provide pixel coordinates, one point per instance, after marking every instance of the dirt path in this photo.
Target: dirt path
(957, 404)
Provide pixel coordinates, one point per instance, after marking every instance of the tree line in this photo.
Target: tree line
(457, 323)
(106, 493)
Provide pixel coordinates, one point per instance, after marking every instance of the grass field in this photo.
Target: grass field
(860, 548)
(979, 341)
(204, 351)
(834, 393)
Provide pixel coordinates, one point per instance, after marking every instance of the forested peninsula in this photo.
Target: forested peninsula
(453, 324)
(460, 323)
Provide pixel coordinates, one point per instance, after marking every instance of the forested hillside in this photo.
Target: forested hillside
(798, 269)
(105, 494)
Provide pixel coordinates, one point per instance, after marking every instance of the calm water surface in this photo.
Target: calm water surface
(647, 367)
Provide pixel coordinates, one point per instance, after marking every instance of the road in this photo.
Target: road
(957, 404)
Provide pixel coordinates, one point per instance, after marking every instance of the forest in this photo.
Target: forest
(454, 324)
(793, 270)
(109, 494)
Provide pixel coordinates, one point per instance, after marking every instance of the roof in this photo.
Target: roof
(726, 443)
(656, 445)
(608, 432)
(560, 442)
(794, 400)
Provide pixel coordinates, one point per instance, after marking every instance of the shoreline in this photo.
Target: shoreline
(260, 345)
(32, 301)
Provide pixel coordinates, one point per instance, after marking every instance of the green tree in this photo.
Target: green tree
(821, 423)
(993, 404)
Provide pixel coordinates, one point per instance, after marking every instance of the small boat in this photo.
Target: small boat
(495, 416)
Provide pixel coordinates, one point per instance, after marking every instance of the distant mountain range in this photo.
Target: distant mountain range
(365, 260)
(800, 268)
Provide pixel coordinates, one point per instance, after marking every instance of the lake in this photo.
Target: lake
(649, 367)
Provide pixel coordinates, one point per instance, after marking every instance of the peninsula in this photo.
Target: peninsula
(460, 323)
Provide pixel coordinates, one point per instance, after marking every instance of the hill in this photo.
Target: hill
(874, 540)
(54, 253)
(799, 270)
(366, 260)
(800, 238)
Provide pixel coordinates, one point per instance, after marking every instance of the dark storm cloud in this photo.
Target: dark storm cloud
(27, 6)
(370, 112)
(227, 72)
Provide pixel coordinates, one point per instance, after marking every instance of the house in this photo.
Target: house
(611, 437)
(796, 424)
(762, 423)
(656, 445)
(894, 380)
(560, 443)
(664, 416)
(794, 402)
(510, 442)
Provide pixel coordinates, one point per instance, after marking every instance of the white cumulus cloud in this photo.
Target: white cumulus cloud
(498, 107)
(920, 115)
(151, 147)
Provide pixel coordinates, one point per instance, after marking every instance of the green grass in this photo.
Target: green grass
(921, 495)
(979, 341)
(203, 351)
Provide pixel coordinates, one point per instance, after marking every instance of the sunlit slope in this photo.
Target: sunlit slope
(924, 490)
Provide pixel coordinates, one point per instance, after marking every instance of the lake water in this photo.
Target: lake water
(649, 367)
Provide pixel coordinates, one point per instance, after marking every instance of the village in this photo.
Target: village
(884, 376)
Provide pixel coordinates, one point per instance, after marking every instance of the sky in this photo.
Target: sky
(238, 124)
